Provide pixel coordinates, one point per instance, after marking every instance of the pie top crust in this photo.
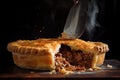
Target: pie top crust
(35, 47)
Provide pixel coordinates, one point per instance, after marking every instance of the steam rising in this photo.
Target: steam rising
(91, 22)
(85, 21)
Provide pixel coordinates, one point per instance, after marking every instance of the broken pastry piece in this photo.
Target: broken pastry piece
(61, 55)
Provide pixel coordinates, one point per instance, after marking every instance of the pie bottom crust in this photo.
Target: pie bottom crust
(36, 62)
(100, 60)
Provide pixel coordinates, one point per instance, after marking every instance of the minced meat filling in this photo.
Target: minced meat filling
(72, 60)
(61, 63)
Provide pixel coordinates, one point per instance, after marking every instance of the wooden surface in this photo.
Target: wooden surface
(15, 72)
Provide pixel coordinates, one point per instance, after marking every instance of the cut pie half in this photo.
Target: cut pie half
(57, 54)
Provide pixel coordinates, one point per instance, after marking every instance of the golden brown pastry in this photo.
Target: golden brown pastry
(58, 54)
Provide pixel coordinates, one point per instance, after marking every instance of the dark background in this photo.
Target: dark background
(46, 18)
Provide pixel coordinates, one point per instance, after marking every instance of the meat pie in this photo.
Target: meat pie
(62, 55)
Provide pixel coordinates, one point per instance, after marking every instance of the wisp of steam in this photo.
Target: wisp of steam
(92, 14)
(85, 20)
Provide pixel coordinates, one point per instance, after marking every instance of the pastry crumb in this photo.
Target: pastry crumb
(90, 69)
(53, 72)
(109, 66)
